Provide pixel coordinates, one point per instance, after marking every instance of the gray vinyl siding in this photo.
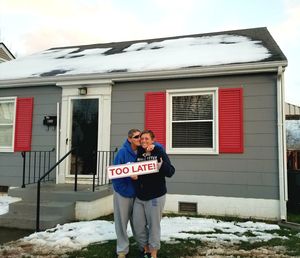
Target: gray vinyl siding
(45, 99)
(253, 174)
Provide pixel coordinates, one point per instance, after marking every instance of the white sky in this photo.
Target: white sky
(35, 25)
(72, 236)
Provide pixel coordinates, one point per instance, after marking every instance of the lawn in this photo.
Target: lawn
(107, 250)
(293, 217)
(284, 242)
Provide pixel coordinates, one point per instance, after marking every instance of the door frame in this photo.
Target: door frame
(95, 89)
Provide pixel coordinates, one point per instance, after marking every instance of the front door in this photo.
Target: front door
(85, 122)
(84, 135)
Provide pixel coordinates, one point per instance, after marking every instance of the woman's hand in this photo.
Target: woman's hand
(159, 164)
(150, 147)
(134, 177)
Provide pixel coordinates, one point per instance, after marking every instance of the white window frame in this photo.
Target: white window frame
(215, 133)
(10, 99)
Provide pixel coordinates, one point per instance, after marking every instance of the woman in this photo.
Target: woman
(124, 192)
(150, 196)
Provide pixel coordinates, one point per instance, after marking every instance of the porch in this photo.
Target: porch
(59, 204)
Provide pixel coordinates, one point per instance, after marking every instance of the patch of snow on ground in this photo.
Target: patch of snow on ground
(80, 234)
(5, 200)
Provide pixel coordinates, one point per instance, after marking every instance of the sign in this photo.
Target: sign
(131, 169)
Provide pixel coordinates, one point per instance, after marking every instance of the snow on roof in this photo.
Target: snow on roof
(139, 56)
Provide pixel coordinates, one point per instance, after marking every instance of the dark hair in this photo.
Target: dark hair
(152, 135)
(132, 131)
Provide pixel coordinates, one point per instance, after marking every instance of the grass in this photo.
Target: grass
(292, 243)
(179, 248)
(188, 247)
(293, 217)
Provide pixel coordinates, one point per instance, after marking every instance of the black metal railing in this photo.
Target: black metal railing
(35, 165)
(104, 159)
(38, 197)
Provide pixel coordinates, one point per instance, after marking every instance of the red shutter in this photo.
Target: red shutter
(23, 128)
(155, 115)
(231, 120)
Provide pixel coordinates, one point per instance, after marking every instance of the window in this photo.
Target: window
(197, 121)
(7, 118)
(192, 121)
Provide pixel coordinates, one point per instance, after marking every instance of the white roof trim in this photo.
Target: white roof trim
(151, 75)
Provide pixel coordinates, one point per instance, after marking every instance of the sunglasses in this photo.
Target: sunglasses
(136, 136)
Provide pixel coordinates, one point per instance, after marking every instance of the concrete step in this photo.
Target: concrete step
(58, 193)
(22, 214)
(57, 204)
(28, 209)
(22, 222)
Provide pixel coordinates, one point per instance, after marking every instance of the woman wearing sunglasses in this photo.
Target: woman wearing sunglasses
(124, 192)
(150, 196)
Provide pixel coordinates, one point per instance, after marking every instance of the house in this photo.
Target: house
(5, 54)
(292, 115)
(214, 100)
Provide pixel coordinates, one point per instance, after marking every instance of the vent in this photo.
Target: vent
(3, 189)
(190, 207)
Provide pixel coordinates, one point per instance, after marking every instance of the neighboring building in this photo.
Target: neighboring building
(292, 116)
(5, 54)
(292, 112)
(214, 100)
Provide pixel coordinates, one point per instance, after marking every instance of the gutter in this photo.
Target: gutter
(148, 75)
(283, 195)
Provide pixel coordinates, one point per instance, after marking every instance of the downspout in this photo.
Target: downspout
(57, 140)
(285, 175)
(281, 145)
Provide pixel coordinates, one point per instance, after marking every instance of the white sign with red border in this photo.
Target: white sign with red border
(130, 169)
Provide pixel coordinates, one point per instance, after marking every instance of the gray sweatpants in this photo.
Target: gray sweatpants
(146, 220)
(122, 215)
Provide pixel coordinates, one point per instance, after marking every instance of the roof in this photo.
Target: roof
(164, 54)
(292, 112)
(5, 54)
